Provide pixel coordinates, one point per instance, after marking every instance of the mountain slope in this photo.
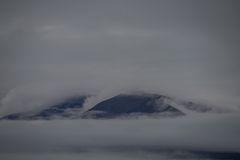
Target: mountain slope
(122, 105)
(63, 109)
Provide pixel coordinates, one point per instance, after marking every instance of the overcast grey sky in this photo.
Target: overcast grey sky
(184, 47)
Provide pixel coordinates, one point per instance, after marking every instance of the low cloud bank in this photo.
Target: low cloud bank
(210, 132)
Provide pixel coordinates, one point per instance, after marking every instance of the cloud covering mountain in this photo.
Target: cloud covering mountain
(188, 49)
(52, 51)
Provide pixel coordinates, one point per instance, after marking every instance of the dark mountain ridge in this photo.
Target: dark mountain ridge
(122, 105)
(51, 111)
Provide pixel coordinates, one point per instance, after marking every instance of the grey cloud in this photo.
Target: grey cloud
(200, 133)
(185, 48)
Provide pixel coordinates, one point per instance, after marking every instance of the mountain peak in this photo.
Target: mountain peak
(124, 104)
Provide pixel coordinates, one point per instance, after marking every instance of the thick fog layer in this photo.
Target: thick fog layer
(120, 138)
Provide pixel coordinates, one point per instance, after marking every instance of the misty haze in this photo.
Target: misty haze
(119, 80)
